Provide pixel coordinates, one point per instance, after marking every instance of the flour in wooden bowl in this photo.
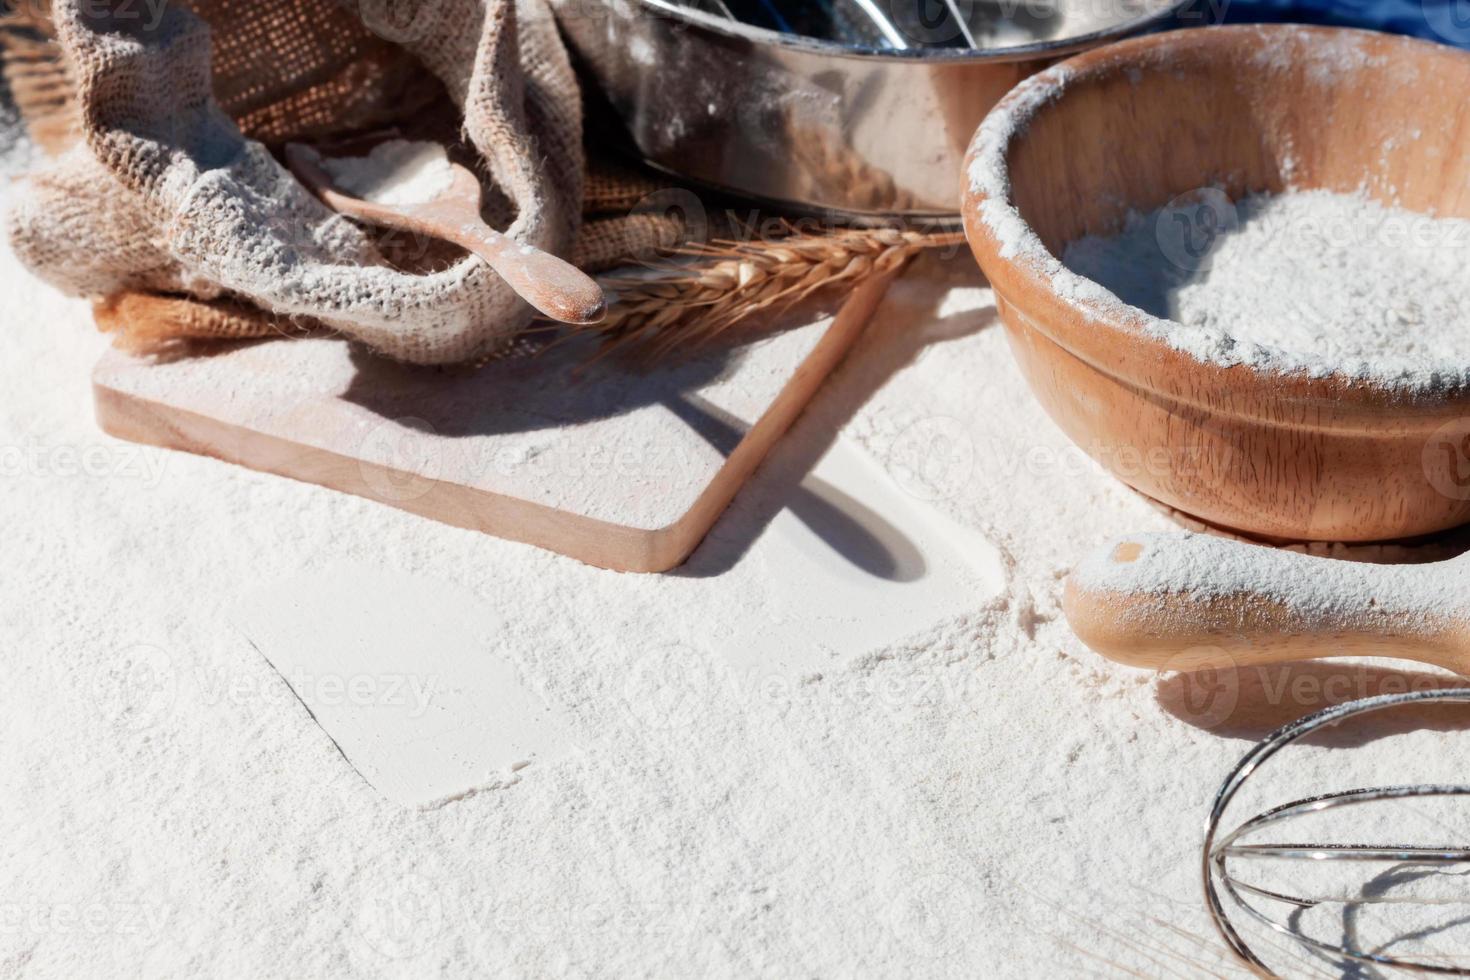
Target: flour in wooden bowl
(1301, 281)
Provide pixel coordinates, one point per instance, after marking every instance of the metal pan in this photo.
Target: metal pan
(820, 126)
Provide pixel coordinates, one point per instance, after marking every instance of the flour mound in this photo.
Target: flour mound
(1330, 283)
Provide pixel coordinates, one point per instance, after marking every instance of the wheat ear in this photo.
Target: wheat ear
(704, 290)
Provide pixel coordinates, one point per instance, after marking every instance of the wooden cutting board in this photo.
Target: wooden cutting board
(616, 466)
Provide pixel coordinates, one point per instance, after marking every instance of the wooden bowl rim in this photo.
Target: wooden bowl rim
(1112, 336)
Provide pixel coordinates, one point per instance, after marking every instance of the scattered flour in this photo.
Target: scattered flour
(1357, 287)
(1332, 592)
(984, 798)
(397, 172)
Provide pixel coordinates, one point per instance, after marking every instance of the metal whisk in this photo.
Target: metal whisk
(1219, 851)
(862, 23)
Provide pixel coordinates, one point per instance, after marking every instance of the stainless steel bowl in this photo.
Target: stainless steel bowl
(816, 125)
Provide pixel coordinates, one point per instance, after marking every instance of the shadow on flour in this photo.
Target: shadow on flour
(547, 379)
(1360, 929)
(1252, 702)
(536, 384)
(541, 384)
(899, 332)
(856, 532)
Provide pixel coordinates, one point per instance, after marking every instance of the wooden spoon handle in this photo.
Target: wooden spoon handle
(1194, 601)
(555, 287)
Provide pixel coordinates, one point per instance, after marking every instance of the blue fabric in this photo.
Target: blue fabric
(1445, 21)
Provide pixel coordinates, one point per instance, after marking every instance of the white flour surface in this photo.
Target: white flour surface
(395, 172)
(982, 797)
(1365, 288)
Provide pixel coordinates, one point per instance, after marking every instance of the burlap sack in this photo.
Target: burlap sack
(171, 188)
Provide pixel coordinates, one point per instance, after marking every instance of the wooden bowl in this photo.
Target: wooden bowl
(1298, 455)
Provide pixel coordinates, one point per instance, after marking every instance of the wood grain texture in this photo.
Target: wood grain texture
(1145, 121)
(619, 468)
(554, 286)
(1132, 607)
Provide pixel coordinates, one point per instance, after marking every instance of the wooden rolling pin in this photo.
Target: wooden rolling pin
(1193, 601)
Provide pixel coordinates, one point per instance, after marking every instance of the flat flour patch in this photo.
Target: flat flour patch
(396, 172)
(408, 676)
(1336, 282)
(403, 673)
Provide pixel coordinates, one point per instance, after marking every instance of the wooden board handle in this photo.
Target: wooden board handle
(1194, 601)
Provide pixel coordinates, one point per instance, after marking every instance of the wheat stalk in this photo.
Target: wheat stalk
(702, 291)
(669, 307)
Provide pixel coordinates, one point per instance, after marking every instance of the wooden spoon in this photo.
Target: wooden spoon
(1194, 601)
(555, 287)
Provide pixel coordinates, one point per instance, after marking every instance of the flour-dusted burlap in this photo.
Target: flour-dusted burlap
(172, 188)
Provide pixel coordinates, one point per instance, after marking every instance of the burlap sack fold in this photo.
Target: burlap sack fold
(171, 190)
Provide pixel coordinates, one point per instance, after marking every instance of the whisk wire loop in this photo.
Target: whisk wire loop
(1218, 850)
